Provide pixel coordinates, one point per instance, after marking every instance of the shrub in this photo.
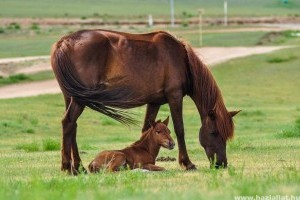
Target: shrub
(35, 26)
(14, 26)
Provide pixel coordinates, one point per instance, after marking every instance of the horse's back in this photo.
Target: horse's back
(148, 64)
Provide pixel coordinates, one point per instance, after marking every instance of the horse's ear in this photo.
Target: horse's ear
(233, 113)
(166, 121)
(212, 114)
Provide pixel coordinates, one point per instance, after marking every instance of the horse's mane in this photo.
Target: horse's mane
(143, 137)
(207, 94)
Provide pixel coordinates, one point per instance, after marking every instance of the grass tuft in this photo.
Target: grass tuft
(292, 132)
(281, 59)
(51, 145)
(31, 147)
(14, 79)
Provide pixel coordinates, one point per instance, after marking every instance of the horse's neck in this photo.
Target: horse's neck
(147, 143)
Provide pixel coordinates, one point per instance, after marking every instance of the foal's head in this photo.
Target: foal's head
(161, 134)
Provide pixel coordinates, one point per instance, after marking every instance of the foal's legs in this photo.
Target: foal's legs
(152, 167)
(69, 149)
(151, 113)
(175, 103)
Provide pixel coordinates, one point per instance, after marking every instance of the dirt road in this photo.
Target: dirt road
(210, 56)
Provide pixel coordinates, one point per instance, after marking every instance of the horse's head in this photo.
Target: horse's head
(162, 134)
(215, 131)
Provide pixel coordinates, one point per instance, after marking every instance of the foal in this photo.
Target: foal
(141, 154)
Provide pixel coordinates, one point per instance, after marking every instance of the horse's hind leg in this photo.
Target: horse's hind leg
(175, 103)
(151, 113)
(69, 149)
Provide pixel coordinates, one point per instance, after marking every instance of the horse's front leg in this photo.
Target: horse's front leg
(175, 103)
(69, 152)
(151, 113)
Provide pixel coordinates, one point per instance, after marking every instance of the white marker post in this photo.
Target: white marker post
(150, 20)
(225, 12)
(172, 13)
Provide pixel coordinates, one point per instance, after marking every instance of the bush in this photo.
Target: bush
(35, 26)
(14, 26)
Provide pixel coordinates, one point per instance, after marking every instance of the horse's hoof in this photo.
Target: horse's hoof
(217, 166)
(191, 166)
(80, 170)
(66, 167)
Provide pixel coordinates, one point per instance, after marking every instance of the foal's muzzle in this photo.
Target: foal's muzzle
(169, 144)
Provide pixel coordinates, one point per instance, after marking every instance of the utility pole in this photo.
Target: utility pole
(225, 13)
(200, 12)
(172, 13)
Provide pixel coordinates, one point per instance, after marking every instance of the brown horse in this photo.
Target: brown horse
(141, 154)
(111, 71)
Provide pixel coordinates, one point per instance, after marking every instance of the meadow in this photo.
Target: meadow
(129, 8)
(35, 40)
(264, 156)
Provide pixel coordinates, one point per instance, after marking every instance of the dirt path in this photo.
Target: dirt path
(210, 55)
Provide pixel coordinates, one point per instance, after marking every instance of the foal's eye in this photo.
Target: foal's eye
(157, 132)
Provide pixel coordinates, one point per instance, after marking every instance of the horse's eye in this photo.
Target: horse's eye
(157, 132)
(215, 134)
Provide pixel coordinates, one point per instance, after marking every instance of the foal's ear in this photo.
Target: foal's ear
(153, 124)
(166, 121)
(233, 113)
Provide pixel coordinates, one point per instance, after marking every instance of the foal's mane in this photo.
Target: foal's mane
(207, 94)
(145, 134)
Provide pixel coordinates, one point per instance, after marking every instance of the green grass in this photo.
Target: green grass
(17, 78)
(115, 8)
(225, 39)
(26, 42)
(23, 78)
(260, 162)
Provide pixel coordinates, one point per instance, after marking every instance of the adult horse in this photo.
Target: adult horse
(111, 71)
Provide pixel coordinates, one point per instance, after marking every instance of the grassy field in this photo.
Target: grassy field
(264, 157)
(37, 40)
(158, 8)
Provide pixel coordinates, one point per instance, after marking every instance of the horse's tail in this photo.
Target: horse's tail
(109, 102)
